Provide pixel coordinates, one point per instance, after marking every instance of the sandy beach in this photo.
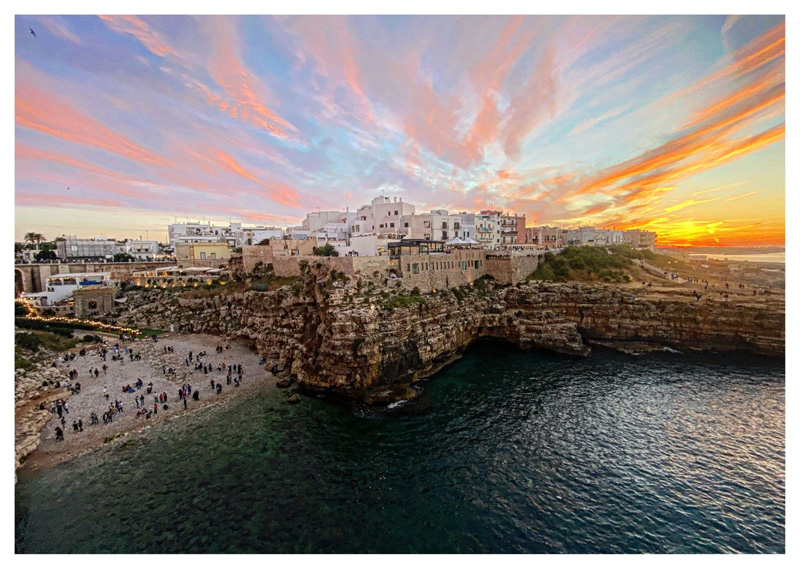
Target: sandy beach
(154, 359)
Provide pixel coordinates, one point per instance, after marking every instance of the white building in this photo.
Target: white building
(235, 234)
(488, 228)
(466, 228)
(435, 226)
(370, 245)
(61, 286)
(141, 250)
(258, 235)
(383, 216)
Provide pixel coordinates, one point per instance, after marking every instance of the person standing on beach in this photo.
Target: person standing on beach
(80, 425)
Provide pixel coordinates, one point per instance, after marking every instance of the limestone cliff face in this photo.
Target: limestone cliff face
(344, 335)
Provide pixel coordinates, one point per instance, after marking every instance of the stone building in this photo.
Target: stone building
(428, 265)
(93, 300)
(210, 255)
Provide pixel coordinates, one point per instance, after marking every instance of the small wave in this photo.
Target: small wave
(671, 350)
(396, 404)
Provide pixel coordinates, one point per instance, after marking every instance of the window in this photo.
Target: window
(405, 225)
(213, 256)
(415, 268)
(391, 225)
(202, 256)
(396, 213)
(427, 224)
(92, 305)
(444, 234)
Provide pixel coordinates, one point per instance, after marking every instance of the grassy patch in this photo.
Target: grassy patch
(28, 346)
(149, 332)
(402, 301)
(583, 263)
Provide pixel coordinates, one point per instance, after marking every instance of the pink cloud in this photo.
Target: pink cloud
(38, 110)
(155, 42)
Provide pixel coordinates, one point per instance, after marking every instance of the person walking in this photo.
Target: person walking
(80, 425)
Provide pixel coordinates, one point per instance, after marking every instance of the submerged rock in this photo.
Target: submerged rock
(294, 399)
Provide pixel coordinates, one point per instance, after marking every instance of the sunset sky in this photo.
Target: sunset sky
(667, 123)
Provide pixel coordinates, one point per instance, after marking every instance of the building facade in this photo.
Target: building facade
(213, 254)
(72, 248)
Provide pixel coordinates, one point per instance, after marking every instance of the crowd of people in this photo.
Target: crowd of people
(231, 373)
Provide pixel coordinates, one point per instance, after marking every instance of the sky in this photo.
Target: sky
(676, 124)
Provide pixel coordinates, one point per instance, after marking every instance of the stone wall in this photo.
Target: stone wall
(93, 300)
(350, 265)
(511, 268)
(440, 271)
(252, 255)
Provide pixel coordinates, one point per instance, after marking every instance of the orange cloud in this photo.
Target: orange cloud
(687, 203)
(748, 194)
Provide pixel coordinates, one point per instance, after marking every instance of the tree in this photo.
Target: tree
(123, 257)
(45, 255)
(34, 238)
(327, 250)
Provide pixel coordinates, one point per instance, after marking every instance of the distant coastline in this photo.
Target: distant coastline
(728, 251)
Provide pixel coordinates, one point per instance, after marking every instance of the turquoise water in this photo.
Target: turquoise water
(504, 452)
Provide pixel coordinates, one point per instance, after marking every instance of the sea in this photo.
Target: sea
(505, 451)
(769, 257)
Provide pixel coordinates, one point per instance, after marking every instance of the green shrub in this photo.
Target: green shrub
(403, 301)
(21, 309)
(28, 341)
(327, 250)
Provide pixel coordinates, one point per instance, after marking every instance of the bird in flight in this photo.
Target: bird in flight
(33, 33)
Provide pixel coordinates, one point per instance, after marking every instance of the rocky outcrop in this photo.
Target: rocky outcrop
(354, 336)
(32, 388)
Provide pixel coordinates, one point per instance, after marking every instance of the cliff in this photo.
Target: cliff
(359, 336)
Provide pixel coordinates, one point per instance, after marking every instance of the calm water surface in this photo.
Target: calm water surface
(504, 452)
